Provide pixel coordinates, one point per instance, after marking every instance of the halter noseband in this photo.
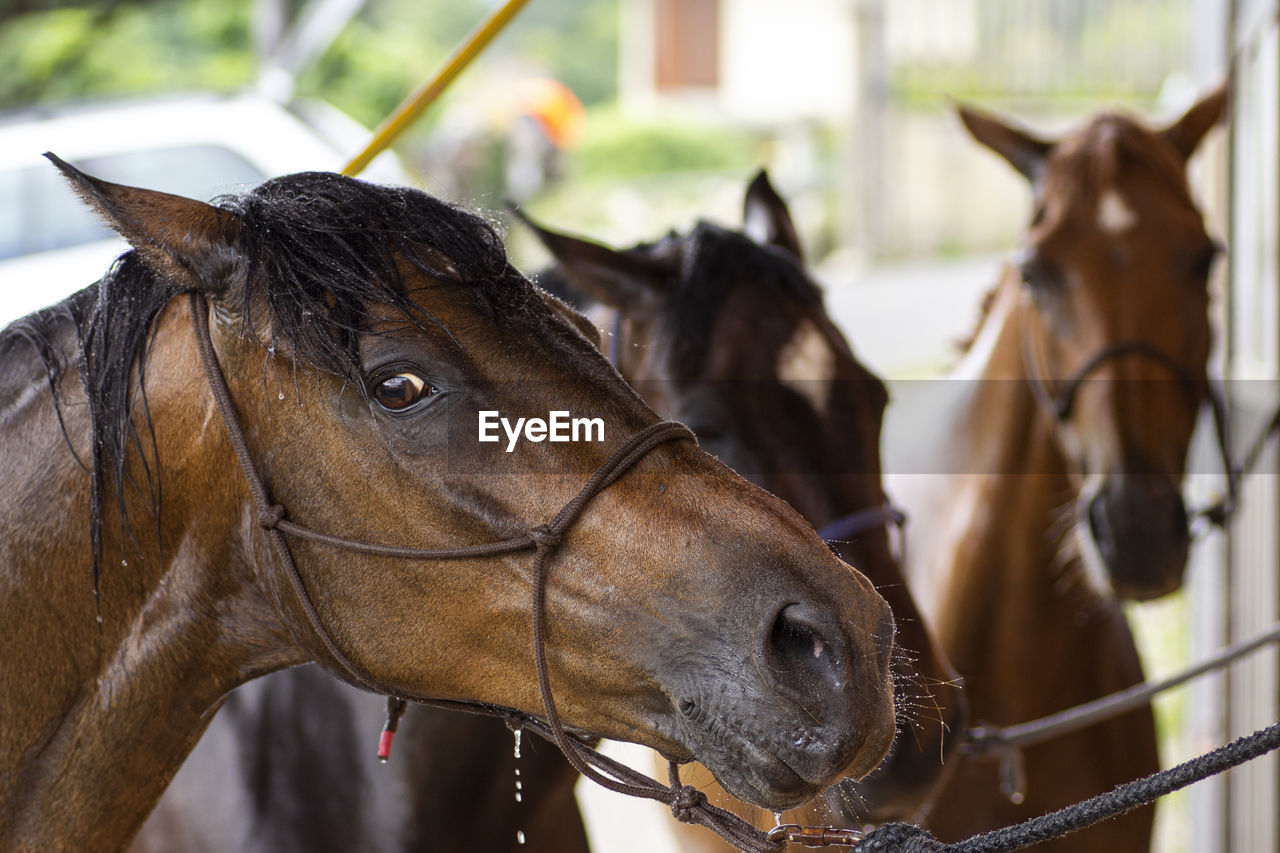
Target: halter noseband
(687, 803)
(1061, 404)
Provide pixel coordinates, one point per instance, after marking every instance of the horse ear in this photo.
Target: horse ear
(598, 272)
(1186, 133)
(179, 238)
(1024, 151)
(766, 219)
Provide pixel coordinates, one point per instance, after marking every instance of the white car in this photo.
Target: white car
(51, 244)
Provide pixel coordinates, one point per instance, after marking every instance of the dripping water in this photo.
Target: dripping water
(516, 733)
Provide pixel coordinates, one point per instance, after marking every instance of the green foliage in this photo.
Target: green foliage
(576, 41)
(387, 52)
(142, 47)
(1067, 52)
(624, 147)
(125, 50)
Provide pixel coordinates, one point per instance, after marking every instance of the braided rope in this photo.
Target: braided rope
(903, 838)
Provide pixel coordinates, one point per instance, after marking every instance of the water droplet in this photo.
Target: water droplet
(517, 771)
(281, 395)
(519, 797)
(124, 563)
(99, 618)
(517, 733)
(777, 818)
(519, 836)
(519, 784)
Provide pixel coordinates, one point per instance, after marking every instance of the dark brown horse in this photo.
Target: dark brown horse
(729, 334)
(814, 439)
(1053, 482)
(360, 331)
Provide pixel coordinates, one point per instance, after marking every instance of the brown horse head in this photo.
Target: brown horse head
(1115, 268)
(725, 331)
(361, 331)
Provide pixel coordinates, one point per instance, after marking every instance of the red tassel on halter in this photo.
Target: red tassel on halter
(395, 710)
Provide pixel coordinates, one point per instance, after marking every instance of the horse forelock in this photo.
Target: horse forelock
(1111, 151)
(715, 263)
(323, 249)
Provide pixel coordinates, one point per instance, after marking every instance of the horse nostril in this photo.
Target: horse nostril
(803, 652)
(1181, 528)
(1100, 528)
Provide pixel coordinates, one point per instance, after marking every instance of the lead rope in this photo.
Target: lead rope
(1007, 742)
(687, 803)
(904, 838)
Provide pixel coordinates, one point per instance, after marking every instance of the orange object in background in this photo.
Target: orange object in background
(554, 107)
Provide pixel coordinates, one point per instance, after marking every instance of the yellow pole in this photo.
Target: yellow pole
(413, 105)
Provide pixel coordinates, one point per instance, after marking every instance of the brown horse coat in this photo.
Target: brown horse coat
(1039, 516)
(358, 327)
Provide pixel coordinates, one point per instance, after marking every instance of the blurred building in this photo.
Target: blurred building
(879, 74)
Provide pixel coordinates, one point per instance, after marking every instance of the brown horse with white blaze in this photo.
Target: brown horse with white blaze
(359, 330)
(726, 331)
(1053, 484)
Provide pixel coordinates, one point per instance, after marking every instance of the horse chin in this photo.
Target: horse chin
(909, 776)
(776, 763)
(1159, 583)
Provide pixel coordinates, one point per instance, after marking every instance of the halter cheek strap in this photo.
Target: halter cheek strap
(687, 803)
(1061, 404)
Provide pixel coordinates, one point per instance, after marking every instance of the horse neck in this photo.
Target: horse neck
(98, 716)
(989, 570)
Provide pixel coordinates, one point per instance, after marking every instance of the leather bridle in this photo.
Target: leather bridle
(687, 803)
(1060, 403)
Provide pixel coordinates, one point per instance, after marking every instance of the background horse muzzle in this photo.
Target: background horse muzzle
(1139, 523)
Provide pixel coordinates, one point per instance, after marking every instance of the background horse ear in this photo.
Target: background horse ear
(182, 239)
(574, 317)
(604, 275)
(1025, 152)
(1186, 133)
(766, 219)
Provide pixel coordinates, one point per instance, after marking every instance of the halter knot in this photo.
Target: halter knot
(685, 801)
(544, 537)
(899, 838)
(269, 517)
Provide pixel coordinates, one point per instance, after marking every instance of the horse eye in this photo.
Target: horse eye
(1038, 273)
(401, 391)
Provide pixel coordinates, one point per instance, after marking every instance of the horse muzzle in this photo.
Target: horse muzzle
(1139, 524)
(811, 707)
(916, 768)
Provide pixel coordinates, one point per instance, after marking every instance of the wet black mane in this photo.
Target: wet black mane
(702, 269)
(715, 262)
(320, 251)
